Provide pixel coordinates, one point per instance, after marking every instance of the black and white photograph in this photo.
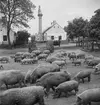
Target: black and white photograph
(49, 52)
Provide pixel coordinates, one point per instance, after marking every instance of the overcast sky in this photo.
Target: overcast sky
(62, 11)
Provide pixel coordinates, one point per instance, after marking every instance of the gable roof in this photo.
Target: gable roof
(51, 27)
(47, 29)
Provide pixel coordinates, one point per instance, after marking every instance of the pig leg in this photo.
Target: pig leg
(6, 86)
(47, 89)
(57, 93)
(20, 83)
(89, 103)
(53, 88)
(83, 80)
(66, 94)
(76, 90)
(89, 78)
(41, 101)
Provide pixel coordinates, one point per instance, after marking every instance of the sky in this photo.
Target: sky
(62, 11)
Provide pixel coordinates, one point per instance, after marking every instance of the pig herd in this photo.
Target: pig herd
(34, 85)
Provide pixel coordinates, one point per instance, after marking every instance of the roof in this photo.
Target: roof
(50, 27)
(47, 29)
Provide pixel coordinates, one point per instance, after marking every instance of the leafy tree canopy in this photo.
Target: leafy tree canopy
(75, 28)
(95, 25)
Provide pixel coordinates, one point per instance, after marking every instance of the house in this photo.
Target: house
(54, 32)
(3, 35)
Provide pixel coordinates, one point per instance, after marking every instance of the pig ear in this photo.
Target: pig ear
(79, 98)
(65, 71)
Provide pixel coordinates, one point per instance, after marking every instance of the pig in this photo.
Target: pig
(29, 61)
(23, 96)
(97, 68)
(12, 77)
(53, 79)
(72, 56)
(42, 69)
(28, 77)
(88, 96)
(1, 67)
(4, 59)
(83, 74)
(76, 62)
(46, 51)
(80, 55)
(60, 63)
(50, 59)
(42, 56)
(37, 52)
(93, 63)
(66, 87)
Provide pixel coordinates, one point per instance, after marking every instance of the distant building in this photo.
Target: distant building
(3, 35)
(54, 32)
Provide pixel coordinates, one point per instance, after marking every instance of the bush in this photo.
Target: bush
(50, 46)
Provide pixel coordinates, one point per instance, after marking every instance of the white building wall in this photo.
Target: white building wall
(55, 31)
(3, 32)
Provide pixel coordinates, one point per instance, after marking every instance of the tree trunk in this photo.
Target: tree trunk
(92, 46)
(8, 36)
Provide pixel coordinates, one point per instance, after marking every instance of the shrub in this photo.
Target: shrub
(50, 46)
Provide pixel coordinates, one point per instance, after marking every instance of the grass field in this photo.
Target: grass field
(95, 79)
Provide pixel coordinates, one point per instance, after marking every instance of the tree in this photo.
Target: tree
(75, 28)
(94, 28)
(16, 13)
(22, 37)
(95, 25)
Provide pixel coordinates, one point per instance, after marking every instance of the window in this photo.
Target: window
(4, 37)
(52, 37)
(60, 37)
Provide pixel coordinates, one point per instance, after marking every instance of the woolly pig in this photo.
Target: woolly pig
(88, 57)
(42, 69)
(72, 56)
(76, 62)
(83, 74)
(50, 59)
(29, 61)
(37, 52)
(80, 55)
(93, 62)
(11, 77)
(66, 87)
(97, 68)
(4, 59)
(28, 76)
(23, 96)
(46, 51)
(59, 63)
(88, 96)
(42, 56)
(50, 80)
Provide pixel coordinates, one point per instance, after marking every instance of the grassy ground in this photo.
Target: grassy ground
(95, 80)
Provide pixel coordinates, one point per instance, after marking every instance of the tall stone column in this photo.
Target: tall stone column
(40, 24)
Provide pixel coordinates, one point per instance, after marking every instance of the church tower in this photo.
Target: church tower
(40, 24)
